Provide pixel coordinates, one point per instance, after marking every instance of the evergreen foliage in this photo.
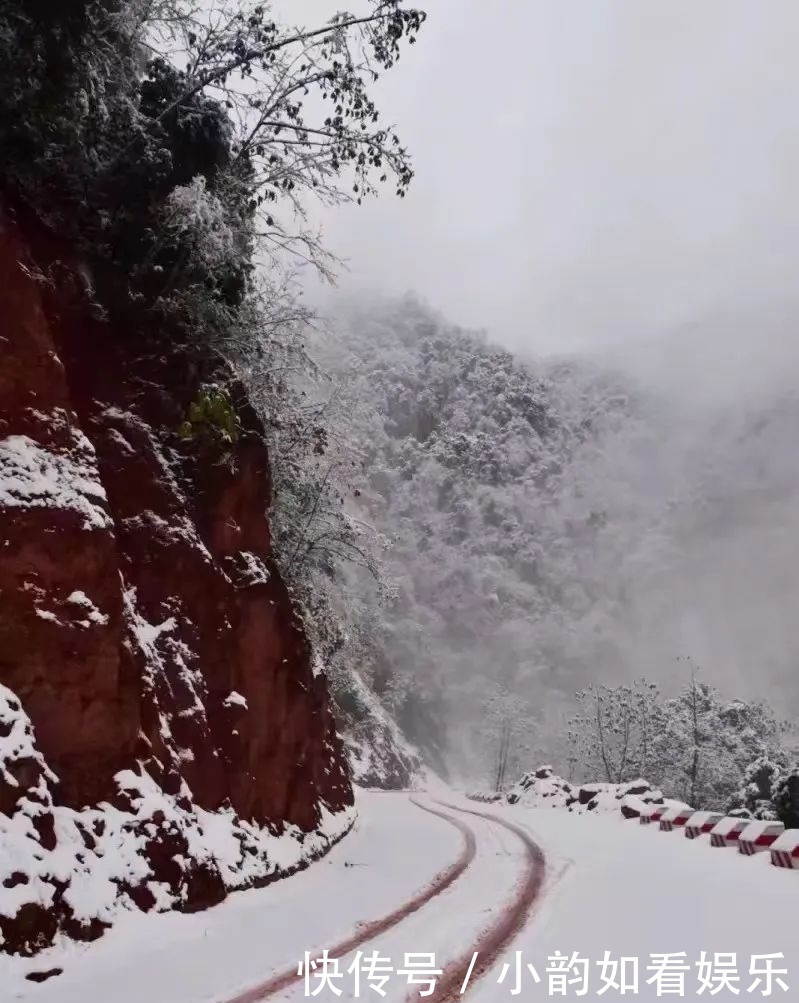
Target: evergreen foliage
(169, 142)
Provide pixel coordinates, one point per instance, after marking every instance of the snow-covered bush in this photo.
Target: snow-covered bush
(696, 746)
(756, 795)
(786, 798)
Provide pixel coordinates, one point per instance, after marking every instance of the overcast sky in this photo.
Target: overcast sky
(588, 171)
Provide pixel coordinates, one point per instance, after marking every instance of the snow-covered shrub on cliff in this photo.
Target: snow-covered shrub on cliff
(331, 557)
(199, 219)
(139, 126)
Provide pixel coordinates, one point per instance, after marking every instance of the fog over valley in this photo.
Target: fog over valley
(639, 515)
(607, 194)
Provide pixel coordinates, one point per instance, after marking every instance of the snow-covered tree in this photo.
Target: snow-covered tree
(711, 753)
(786, 798)
(614, 734)
(158, 134)
(705, 746)
(756, 796)
(505, 736)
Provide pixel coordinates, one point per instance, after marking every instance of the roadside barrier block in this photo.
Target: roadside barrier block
(674, 818)
(727, 831)
(759, 836)
(654, 814)
(701, 822)
(785, 850)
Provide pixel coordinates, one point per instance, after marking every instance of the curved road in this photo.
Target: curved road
(494, 941)
(489, 942)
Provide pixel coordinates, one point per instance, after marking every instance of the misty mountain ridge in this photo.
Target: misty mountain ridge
(567, 520)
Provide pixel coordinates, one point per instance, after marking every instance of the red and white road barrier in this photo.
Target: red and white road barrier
(652, 813)
(759, 836)
(727, 831)
(751, 836)
(674, 818)
(785, 849)
(701, 822)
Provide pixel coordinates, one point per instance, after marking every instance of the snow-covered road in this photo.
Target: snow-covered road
(429, 883)
(635, 891)
(609, 885)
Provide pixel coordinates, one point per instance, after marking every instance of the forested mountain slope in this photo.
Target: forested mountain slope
(550, 523)
(458, 454)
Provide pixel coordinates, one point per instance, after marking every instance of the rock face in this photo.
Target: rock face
(379, 755)
(144, 629)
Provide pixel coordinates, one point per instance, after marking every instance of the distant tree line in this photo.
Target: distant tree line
(727, 755)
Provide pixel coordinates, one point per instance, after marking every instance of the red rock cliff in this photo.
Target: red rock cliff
(144, 628)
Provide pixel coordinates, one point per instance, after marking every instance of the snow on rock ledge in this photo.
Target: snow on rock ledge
(543, 788)
(77, 870)
(34, 477)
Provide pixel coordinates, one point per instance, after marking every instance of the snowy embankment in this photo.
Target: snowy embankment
(393, 849)
(93, 864)
(379, 754)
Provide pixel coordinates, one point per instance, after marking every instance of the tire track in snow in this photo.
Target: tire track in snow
(493, 941)
(366, 931)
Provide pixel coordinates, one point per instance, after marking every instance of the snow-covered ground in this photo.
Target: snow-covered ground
(611, 885)
(635, 891)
